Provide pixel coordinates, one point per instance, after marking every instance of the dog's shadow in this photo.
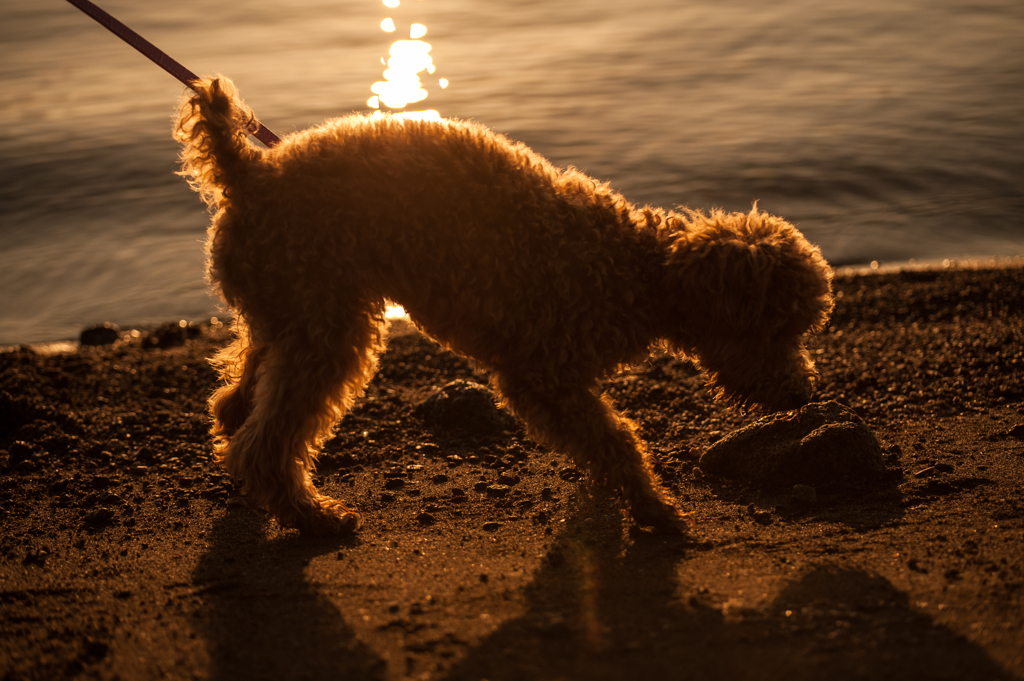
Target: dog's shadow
(606, 607)
(262, 617)
(600, 606)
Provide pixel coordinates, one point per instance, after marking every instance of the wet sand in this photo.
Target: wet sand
(126, 553)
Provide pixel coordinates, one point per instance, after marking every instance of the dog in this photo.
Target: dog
(547, 278)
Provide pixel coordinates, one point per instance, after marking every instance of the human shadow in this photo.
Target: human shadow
(261, 617)
(605, 607)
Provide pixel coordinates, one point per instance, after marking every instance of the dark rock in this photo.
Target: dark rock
(464, 405)
(570, 474)
(19, 452)
(425, 519)
(823, 445)
(99, 334)
(804, 494)
(498, 490)
(1017, 431)
(492, 527)
(170, 335)
(99, 517)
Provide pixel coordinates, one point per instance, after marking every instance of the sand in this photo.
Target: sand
(126, 553)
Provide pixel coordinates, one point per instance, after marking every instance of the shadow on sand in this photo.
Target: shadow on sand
(262, 617)
(606, 607)
(601, 606)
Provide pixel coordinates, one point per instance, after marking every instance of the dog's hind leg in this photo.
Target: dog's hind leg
(577, 421)
(238, 367)
(306, 381)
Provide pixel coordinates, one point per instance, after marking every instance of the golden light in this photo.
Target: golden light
(401, 85)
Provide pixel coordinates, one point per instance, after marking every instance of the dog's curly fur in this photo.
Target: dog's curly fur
(546, 277)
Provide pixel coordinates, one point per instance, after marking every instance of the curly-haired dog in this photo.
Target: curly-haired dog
(546, 277)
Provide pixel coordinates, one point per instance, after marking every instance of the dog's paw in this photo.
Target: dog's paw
(333, 517)
(663, 518)
(322, 515)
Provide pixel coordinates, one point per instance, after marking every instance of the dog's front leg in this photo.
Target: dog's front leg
(578, 422)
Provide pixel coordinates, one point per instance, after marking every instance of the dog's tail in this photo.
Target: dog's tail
(213, 127)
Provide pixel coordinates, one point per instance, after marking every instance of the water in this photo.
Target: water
(885, 129)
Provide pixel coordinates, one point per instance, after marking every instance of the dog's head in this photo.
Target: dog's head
(743, 291)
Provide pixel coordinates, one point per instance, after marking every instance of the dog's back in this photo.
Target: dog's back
(488, 247)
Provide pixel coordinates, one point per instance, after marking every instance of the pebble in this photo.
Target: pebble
(98, 517)
(804, 494)
(492, 527)
(99, 334)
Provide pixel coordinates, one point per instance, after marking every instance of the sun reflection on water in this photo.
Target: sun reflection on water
(402, 84)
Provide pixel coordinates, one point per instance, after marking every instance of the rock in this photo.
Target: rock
(491, 527)
(497, 490)
(822, 445)
(99, 517)
(99, 334)
(170, 335)
(425, 519)
(570, 474)
(20, 452)
(804, 494)
(464, 405)
(1017, 431)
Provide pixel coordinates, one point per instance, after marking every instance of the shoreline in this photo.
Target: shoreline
(125, 551)
(869, 268)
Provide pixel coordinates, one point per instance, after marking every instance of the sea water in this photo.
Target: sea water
(886, 130)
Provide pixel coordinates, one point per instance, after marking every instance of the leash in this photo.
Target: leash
(158, 57)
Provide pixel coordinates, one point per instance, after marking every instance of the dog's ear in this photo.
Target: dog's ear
(747, 273)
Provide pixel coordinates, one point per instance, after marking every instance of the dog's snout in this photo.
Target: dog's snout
(791, 401)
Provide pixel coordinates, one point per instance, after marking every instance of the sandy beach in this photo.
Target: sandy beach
(125, 553)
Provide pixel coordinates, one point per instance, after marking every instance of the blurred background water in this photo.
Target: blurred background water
(887, 130)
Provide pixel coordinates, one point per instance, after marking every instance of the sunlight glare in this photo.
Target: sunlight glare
(395, 311)
(401, 85)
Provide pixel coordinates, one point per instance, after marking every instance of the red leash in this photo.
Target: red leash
(157, 56)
